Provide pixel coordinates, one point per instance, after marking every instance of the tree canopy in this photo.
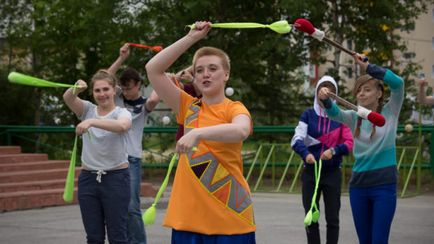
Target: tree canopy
(71, 39)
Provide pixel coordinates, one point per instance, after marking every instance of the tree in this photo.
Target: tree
(72, 39)
(65, 41)
(373, 26)
(263, 63)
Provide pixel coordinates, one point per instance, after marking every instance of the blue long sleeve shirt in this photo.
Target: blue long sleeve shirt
(375, 157)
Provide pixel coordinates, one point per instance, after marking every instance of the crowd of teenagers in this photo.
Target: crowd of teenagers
(210, 200)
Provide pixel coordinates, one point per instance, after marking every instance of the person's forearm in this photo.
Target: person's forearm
(388, 76)
(421, 94)
(300, 148)
(152, 101)
(69, 97)
(116, 126)
(157, 67)
(116, 65)
(225, 133)
(161, 62)
(72, 101)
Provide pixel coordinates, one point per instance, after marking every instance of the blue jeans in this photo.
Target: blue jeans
(136, 228)
(373, 210)
(104, 205)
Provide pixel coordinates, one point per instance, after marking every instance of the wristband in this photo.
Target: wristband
(333, 151)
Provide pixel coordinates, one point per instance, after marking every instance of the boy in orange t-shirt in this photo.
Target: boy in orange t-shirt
(210, 200)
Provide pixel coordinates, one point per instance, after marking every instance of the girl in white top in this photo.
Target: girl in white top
(104, 183)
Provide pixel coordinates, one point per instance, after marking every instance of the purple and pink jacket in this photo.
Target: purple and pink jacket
(316, 133)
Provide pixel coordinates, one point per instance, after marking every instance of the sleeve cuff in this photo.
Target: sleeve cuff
(327, 103)
(376, 71)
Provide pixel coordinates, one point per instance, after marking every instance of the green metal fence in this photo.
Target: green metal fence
(285, 170)
(268, 157)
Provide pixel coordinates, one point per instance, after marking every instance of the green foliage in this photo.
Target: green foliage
(262, 61)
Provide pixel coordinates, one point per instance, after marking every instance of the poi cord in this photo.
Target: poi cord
(68, 193)
(312, 217)
(149, 216)
(153, 48)
(21, 79)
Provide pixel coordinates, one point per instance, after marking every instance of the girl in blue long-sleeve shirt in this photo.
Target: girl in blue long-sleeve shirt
(374, 178)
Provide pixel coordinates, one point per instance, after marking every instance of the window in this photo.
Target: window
(433, 14)
(432, 71)
(432, 43)
(350, 73)
(350, 44)
(409, 55)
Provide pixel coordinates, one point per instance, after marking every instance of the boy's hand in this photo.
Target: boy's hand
(358, 58)
(324, 93)
(81, 86)
(124, 51)
(186, 143)
(200, 30)
(327, 155)
(421, 83)
(310, 159)
(83, 126)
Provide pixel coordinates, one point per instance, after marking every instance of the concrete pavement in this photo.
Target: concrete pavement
(279, 219)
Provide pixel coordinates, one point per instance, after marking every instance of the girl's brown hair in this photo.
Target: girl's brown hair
(103, 74)
(180, 73)
(359, 82)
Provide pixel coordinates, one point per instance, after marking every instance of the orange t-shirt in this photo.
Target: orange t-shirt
(210, 194)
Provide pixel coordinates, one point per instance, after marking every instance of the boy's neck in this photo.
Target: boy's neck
(135, 97)
(213, 100)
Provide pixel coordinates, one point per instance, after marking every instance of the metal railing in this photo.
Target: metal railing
(410, 156)
(409, 165)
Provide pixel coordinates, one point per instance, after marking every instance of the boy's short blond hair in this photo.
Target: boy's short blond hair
(212, 51)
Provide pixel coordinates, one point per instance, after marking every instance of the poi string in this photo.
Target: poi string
(21, 79)
(68, 193)
(281, 27)
(149, 216)
(153, 48)
(312, 217)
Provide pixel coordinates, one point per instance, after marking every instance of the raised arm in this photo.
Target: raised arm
(391, 79)
(72, 100)
(394, 81)
(421, 85)
(152, 101)
(157, 66)
(124, 52)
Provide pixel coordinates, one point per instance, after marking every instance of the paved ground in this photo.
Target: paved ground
(279, 219)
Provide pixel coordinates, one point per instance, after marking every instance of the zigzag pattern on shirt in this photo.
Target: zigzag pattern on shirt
(191, 117)
(214, 177)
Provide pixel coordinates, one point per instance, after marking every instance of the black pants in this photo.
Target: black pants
(330, 187)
